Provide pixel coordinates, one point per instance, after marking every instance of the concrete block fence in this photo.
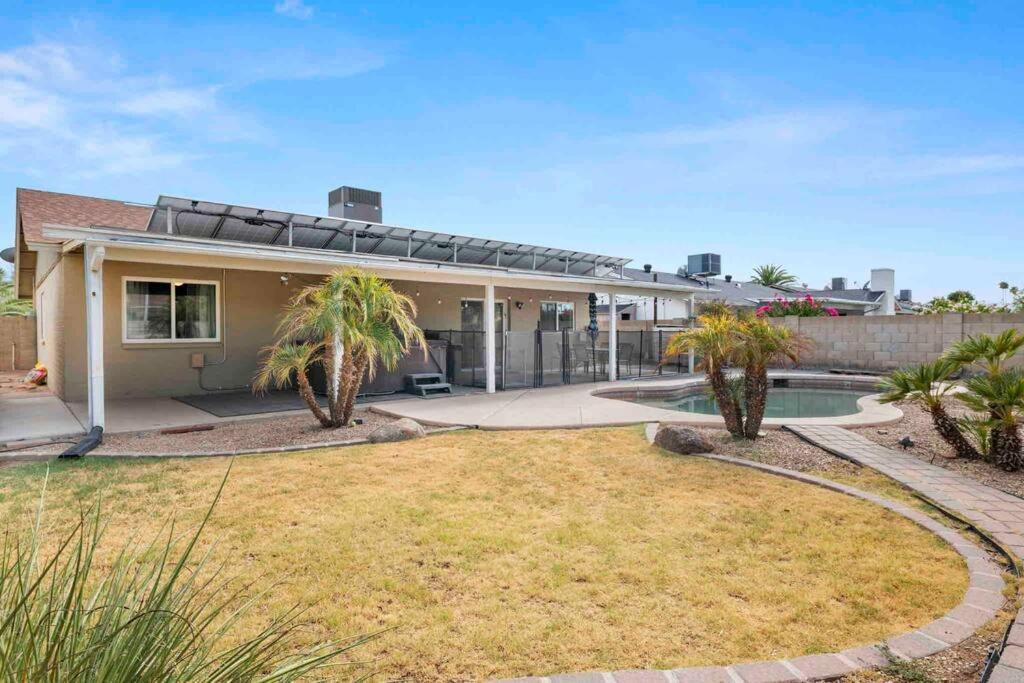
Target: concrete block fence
(17, 342)
(883, 343)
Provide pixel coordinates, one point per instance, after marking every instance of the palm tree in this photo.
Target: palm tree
(762, 344)
(771, 275)
(9, 303)
(927, 385)
(350, 323)
(715, 340)
(986, 352)
(285, 361)
(1002, 396)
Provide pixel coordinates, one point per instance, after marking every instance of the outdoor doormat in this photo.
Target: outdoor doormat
(238, 403)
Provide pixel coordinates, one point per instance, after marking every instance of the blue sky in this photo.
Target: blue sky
(827, 139)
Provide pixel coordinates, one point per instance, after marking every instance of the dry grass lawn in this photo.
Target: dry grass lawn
(507, 554)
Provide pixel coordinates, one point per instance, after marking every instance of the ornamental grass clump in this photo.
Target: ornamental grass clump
(154, 612)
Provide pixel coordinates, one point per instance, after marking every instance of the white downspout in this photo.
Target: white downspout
(93, 266)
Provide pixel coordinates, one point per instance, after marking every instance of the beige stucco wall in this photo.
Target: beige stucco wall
(889, 342)
(253, 301)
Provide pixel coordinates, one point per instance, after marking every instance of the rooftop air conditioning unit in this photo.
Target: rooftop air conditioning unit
(704, 265)
(354, 203)
(838, 284)
(906, 295)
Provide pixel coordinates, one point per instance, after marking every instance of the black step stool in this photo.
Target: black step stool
(425, 383)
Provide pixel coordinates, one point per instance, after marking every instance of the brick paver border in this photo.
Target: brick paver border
(981, 602)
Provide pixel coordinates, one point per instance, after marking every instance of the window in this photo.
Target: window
(557, 315)
(626, 316)
(170, 310)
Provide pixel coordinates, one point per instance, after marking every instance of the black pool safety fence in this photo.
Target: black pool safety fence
(538, 358)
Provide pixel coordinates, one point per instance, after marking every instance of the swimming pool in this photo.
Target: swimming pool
(782, 402)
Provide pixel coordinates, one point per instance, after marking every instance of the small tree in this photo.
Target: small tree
(927, 385)
(350, 324)
(771, 275)
(762, 344)
(751, 343)
(9, 303)
(1002, 396)
(715, 341)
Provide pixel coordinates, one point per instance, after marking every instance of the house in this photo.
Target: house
(878, 297)
(176, 298)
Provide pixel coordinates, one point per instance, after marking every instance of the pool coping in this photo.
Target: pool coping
(982, 601)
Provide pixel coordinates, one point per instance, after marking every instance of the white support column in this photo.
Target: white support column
(93, 267)
(693, 314)
(489, 361)
(613, 339)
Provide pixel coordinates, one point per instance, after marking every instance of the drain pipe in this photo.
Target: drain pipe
(93, 439)
(224, 340)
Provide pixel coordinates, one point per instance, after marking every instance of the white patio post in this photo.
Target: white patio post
(93, 266)
(613, 338)
(693, 314)
(489, 337)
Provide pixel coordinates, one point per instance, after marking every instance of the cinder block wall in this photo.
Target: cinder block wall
(888, 342)
(17, 342)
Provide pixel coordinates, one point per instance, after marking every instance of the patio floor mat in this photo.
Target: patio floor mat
(239, 403)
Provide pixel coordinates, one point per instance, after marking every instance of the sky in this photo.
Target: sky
(829, 138)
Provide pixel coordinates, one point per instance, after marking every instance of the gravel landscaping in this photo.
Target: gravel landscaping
(917, 424)
(241, 435)
(779, 448)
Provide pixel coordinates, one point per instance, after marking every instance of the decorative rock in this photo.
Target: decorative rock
(399, 430)
(682, 440)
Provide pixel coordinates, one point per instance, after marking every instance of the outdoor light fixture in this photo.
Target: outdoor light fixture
(417, 292)
(519, 305)
(284, 279)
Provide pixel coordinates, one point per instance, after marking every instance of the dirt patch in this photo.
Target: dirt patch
(928, 446)
(242, 435)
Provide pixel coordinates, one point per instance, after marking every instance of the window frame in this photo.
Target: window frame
(173, 339)
(570, 304)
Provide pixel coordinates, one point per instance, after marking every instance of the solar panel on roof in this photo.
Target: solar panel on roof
(211, 220)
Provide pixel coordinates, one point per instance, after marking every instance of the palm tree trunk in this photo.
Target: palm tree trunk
(351, 390)
(755, 393)
(950, 432)
(726, 402)
(306, 392)
(1006, 447)
(334, 384)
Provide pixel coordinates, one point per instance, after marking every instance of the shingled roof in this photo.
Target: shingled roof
(36, 207)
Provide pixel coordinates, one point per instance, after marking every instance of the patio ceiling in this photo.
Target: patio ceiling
(232, 223)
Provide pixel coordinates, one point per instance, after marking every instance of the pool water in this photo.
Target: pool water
(781, 403)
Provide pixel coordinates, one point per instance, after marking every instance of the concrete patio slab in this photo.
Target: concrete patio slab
(601, 405)
(36, 417)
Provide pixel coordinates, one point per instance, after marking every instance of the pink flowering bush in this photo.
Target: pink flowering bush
(805, 307)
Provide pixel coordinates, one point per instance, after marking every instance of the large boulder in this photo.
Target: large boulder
(682, 440)
(399, 430)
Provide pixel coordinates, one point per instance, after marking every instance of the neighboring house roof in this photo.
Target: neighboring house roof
(733, 293)
(858, 295)
(37, 207)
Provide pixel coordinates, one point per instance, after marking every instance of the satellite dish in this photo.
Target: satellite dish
(8, 254)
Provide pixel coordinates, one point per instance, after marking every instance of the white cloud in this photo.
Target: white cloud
(295, 9)
(170, 101)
